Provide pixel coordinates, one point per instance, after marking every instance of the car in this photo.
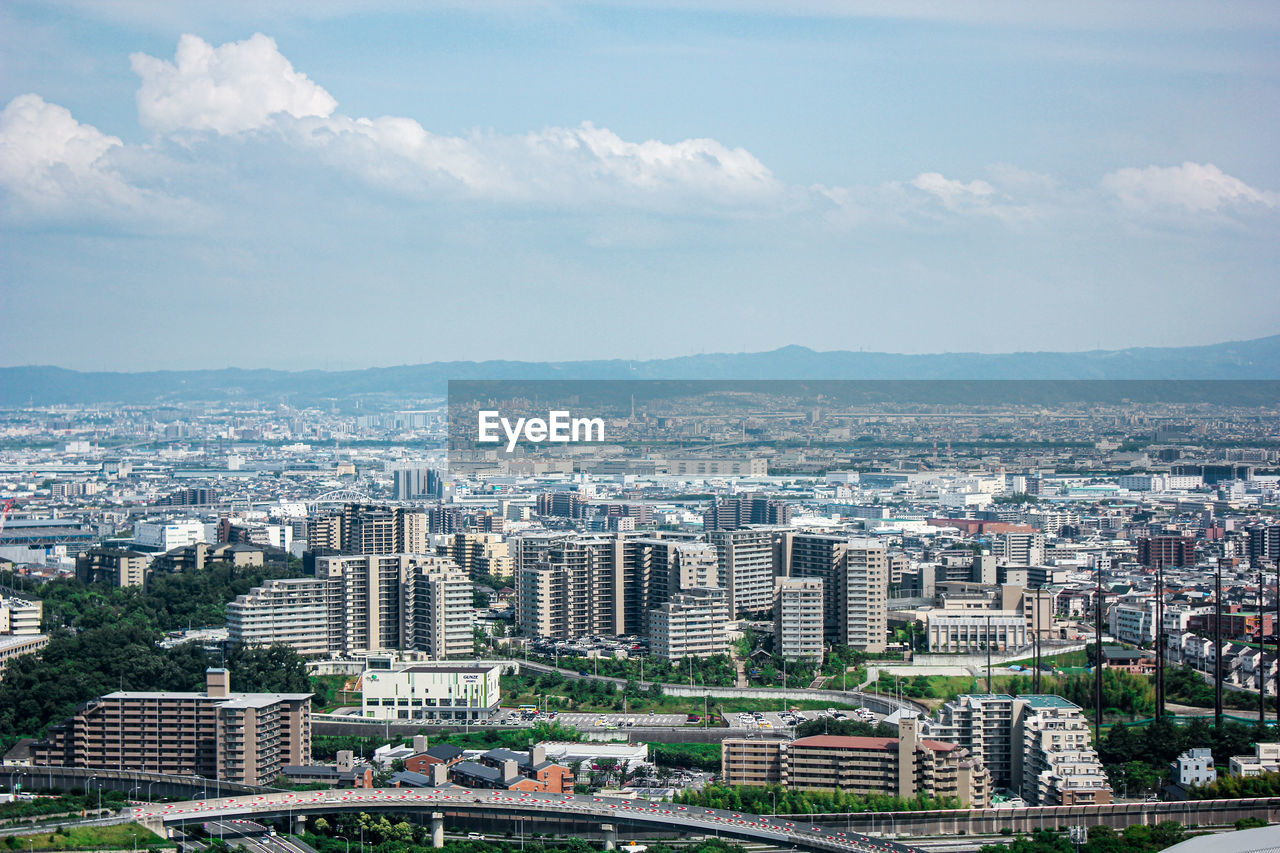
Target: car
(475, 836)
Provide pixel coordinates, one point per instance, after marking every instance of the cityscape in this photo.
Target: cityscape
(677, 427)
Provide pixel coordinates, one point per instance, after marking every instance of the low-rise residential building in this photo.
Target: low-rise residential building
(1265, 759)
(905, 766)
(1193, 768)
(112, 566)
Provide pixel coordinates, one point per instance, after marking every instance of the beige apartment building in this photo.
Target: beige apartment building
(693, 623)
(855, 578)
(112, 566)
(797, 619)
(904, 766)
(236, 737)
(361, 603)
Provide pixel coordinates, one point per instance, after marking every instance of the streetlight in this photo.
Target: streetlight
(348, 840)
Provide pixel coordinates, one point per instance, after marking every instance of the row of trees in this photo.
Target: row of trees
(1137, 758)
(771, 799)
(1102, 839)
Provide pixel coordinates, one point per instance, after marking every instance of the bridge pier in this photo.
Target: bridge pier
(299, 824)
(610, 833)
(437, 830)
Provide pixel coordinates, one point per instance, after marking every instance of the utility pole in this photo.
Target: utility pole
(1217, 645)
(1159, 639)
(1275, 626)
(1262, 675)
(1097, 663)
(988, 653)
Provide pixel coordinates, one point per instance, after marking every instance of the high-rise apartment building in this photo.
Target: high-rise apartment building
(733, 513)
(1167, 551)
(692, 623)
(1038, 745)
(236, 737)
(481, 554)
(291, 611)
(855, 577)
(362, 603)
(571, 587)
(749, 562)
(439, 613)
(1020, 549)
(359, 529)
(797, 619)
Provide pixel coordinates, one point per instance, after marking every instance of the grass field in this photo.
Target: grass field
(119, 837)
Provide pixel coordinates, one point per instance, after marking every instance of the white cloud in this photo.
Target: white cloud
(236, 87)
(51, 164)
(954, 195)
(1197, 188)
(250, 85)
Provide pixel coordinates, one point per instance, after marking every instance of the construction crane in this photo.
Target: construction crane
(4, 516)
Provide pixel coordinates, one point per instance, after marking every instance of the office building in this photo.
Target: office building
(236, 737)
(167, 535)
(797, 619)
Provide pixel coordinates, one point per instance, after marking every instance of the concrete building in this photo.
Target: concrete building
(1020, 549)
(855, 577)
(481, 554)
(571, 587)
(972, 631)
(165, 535)
(439, 611)
(112, 566)
(692, 624)
(292, 611)
(905, 766)
(1037, 745)
(797, 619)
(1193, 768)
(20, 616)
(431, 692)
(748, 559)
(1265, 759)
(217, 734)
(362, 603)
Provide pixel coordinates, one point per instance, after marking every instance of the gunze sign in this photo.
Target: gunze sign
(559, 426)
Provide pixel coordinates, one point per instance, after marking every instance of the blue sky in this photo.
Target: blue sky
(334, 185)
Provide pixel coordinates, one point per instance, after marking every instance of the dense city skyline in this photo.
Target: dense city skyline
(988, 179)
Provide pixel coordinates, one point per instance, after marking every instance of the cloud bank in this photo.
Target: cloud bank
(249, 92)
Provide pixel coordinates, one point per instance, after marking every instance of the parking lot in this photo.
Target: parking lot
(769, 722)
(588, 720)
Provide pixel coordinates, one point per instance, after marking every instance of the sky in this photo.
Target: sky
(338, 185)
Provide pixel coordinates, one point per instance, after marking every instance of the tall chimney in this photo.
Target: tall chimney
(439, 773)
(419, 744)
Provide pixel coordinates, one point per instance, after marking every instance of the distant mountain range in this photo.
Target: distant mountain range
(21, 386)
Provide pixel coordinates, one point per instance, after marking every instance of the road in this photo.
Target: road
(642, 814)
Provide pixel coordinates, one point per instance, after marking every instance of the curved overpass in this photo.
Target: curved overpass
(463, 803)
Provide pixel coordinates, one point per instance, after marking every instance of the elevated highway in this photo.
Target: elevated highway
(560, 813)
